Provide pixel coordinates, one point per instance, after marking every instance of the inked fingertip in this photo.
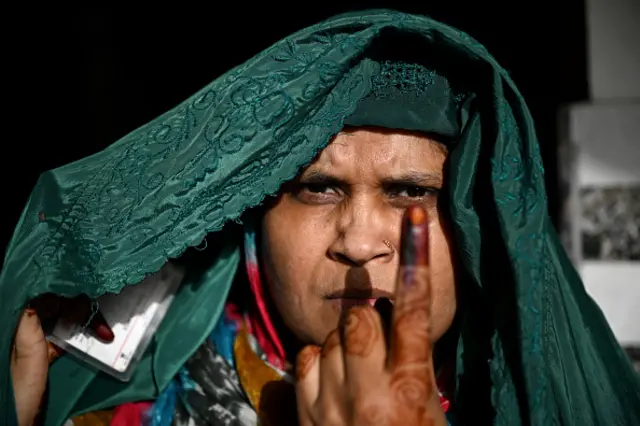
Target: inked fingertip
(416, 215)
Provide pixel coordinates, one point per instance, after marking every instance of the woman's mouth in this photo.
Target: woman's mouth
(342, 304)
(348, 303)
(346, 299)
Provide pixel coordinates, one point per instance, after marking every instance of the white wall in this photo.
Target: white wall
(613, 37)
(616, 289)
(607, 136)
(604, 135)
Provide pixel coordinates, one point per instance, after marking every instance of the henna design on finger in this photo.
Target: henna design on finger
(331, 342)
(412, 386)
(412, 394)
(305, 360)
(411, 337)
(413, 390)
(411, 324)
(410, 399)
(361, 331)
(419, 295)
(411, 327)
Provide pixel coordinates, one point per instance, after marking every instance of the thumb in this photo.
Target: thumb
(29, 341)
(29, 366)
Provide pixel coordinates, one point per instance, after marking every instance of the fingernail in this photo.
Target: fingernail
(104, 333)
(53, 351)
(417, 215)
(415, 238)
(101, 329)
(30, 312)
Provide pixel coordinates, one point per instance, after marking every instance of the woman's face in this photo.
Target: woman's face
(332, 238)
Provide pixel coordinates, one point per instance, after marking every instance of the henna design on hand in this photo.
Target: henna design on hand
(412, 394)
(411, 334)
(331, 342)
(361, 331)
(305, 360)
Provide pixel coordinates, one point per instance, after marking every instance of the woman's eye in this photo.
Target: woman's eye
(316, 193)
(411, 191)
(414, 192)
(318, 188)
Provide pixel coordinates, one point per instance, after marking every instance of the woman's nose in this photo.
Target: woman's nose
(361, 238)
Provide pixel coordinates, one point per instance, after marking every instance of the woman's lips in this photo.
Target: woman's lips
(347, 303)
(342, 304)
(347, 298)
(360, 294)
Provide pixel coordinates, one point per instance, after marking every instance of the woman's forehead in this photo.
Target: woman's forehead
(380, 149)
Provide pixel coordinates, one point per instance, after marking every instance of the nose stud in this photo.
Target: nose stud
(388, 244)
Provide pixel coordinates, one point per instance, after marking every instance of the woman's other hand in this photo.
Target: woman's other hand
(354, 379)
(31, 353)
(29, 367)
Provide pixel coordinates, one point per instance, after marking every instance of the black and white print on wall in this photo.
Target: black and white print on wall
(610, 223)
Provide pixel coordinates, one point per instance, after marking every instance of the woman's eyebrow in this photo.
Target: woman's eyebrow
(320, 177)
(412, 177)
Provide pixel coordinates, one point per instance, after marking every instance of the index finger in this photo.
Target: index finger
(410, 336)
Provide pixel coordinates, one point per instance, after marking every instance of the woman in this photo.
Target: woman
(348, 124)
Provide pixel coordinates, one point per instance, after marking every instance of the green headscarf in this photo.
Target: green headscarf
(533, 347)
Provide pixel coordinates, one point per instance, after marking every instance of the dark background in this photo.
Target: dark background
(80, 78)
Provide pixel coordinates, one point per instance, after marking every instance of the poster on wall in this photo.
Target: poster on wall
(609, 231)
(610, 223)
